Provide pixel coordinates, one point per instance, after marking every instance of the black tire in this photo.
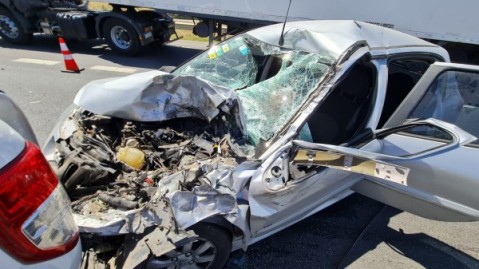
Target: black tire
(121, 37)
(11, 30)
(220, 247)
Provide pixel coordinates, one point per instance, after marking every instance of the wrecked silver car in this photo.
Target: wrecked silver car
(176, 170)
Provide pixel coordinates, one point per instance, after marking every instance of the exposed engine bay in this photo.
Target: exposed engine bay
(153, 161)
(118, 163)
(111, 165)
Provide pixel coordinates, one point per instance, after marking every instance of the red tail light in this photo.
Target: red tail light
(36, 221)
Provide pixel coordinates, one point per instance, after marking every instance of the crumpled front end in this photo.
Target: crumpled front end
(135, 173)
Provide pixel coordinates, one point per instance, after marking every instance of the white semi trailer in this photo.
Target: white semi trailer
(451, 24)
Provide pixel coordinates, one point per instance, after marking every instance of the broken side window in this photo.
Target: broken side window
(269, 104)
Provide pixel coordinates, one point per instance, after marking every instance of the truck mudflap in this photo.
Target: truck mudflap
(77, 25)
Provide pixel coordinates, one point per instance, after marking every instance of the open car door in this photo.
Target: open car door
(427, 167)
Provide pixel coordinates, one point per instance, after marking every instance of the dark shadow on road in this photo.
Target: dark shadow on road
(320, 241)
(421, 248)
(167, 55)
(328, 240)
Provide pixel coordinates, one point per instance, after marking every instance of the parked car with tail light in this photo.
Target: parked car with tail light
(37, 229)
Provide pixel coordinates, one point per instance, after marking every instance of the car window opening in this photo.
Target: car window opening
(452, 97)
(402, 76)
(345, 111)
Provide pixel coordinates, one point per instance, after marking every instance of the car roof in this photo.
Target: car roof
(318, 36)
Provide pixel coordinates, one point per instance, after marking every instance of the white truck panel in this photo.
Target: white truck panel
(440, 20)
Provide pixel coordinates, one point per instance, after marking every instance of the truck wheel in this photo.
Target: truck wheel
(11, 30)
(210, 250)
(121, 37)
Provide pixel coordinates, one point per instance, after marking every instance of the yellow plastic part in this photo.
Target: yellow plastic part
(132, 157)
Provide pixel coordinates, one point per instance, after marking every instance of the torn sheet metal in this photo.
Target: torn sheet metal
(115, 221)
(362, 165)
(156, 96)
(224, 183)
(191, 207)
(139, 247)
(220, 196)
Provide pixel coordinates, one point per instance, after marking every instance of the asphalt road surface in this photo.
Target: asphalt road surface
(354, 233)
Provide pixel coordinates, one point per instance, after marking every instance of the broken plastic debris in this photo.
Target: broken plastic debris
(132, 157)
(149, 181)
(225, 48)
(212, 54)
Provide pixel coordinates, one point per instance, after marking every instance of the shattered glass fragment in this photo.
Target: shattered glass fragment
(232, 65)
(219, 51)
(268, 105)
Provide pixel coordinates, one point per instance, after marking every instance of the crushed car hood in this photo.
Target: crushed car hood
(157, 96)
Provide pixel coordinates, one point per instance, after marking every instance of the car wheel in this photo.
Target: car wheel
(11, 30)
(121, 37)
(210, 250)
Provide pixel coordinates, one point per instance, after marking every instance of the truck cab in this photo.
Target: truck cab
(125, 29)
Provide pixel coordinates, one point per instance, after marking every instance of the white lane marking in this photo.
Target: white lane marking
(68, 57)
(35, 61)
(113, 69)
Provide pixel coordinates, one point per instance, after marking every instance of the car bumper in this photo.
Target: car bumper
(70, 260)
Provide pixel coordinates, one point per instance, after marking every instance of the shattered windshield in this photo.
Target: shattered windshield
(230, 65)
(271, 82)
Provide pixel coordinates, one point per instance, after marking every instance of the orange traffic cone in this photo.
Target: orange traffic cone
(70, 64)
